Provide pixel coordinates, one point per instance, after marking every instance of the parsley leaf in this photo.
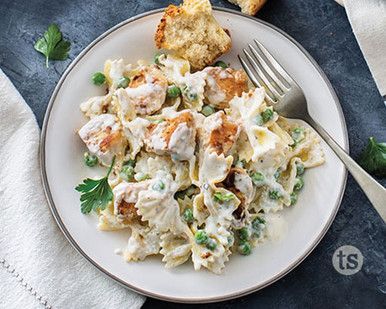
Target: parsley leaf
(95, 193)
(373, 158)
(52, 45)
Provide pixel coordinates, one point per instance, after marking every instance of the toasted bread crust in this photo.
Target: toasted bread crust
(250, 7)
(170, 11)
(199, 45)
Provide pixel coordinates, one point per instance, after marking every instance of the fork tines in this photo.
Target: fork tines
(264, 71)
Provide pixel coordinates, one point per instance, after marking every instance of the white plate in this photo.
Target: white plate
(62, 168)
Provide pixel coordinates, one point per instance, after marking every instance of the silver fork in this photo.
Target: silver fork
(289, 101)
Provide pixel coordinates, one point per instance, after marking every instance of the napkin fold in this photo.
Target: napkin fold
(38, 266)
(368, 21)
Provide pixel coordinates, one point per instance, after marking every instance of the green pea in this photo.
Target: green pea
(98, 78)
(141, 176)
(221, 64)
(207, 110)
(294, 198)
(258, 224)
(299, 168)
(158, 186)
(211, 244)
(258, 178)
(123, 82)
(274, 194)
(267, 115)
(156, 58)
(299, 184)
(90, 160)
(173, 91)
(245, 248)
(187, 215)
(201, 237)
(297, 135)
(127, 172)
(259, 120)
(243, 234)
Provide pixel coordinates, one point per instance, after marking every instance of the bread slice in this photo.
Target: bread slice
(250, 7)
(191, 31)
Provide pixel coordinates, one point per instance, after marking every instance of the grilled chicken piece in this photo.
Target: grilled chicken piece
(222, 85)
(221, 133)
(174, 136)
(103, 137)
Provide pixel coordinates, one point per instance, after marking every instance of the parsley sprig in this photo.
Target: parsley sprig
(52, 45)
(95, 193)
(373, 159)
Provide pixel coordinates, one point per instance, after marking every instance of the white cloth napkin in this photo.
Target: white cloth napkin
(368, 20)
(38, 267)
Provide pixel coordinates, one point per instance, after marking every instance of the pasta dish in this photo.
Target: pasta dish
(198, 160)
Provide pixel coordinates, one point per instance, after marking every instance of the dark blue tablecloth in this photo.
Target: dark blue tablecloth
(322, 28)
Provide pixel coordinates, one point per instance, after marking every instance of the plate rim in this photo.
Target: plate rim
(192, 300)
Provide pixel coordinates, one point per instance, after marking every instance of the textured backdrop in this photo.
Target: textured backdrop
(322, 28)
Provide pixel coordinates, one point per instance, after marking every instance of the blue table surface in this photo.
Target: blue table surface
(321, 26)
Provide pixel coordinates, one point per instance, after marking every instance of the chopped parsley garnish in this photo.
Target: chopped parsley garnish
(223, 197)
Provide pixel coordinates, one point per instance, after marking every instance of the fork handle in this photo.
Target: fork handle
(375, 192)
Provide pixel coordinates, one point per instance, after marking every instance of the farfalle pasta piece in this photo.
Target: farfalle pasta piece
(221, 204)
(143, 241)
(288, 180)
(200, 211)
(150, 164)
(213, 260)
(248, 109)
(306, 143)
(214, 167)
(311, 152)
(108, 221)
(173, 67)
(96, 106)
(135, 132)
(158, 206)
(176, 249)
(115, 70)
